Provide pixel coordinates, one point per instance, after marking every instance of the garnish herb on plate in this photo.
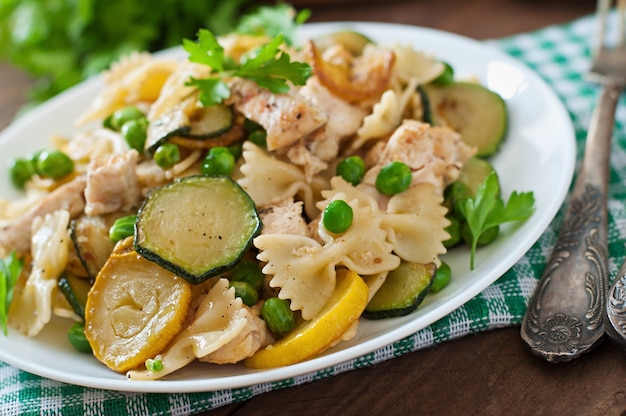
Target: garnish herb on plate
(10, 269)
(487, 209)
(269, 67)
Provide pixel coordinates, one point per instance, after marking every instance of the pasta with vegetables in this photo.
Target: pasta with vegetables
(244, 205)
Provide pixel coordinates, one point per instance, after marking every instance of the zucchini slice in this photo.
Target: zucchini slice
(402, 292)
(202, 124)
(473, 173)
(75, 290)
(477, 113)
(197, 227)
(90, 237)
(353, 41)
(134, 309)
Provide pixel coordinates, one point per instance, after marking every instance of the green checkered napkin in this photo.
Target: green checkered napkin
(560, 55)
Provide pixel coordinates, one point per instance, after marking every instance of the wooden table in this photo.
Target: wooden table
(491, 373)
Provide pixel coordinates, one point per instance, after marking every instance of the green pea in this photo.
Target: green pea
(458, 209)
(122, 228)
(244, 290)
(154, 366)
(135, 133)
(454, 229)
(446, 77)
(487, 237)
(248, 271)
(167, 155)
(258, 137)
(54, 164)
(454, 192)
(218, 162)
(236, 149)
(352, 169)
(107, 123)
(442, 277)
(278, 317)
(121, 116)
(20, 172)
(337, 216)
(32, 157)
(394, 178)
(76, 336)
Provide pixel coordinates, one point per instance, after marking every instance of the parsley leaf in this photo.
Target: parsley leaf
(10, 270)
(212, 90)
(270, 72)
(273, 21)
(487, 209)
(206, 51)
(268, 66)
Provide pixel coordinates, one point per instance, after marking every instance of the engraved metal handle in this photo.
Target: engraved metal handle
(565, 316)
(616, 308)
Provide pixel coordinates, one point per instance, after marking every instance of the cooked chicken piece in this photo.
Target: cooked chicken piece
(322, 145)
(343, 118)
(16, 234)
(434, 154)
(300, 155)
(112, 184)
(284, 217)
(285, 117)
(150, 175)
(99, 141)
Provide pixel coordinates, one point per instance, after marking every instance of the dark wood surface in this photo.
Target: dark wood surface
(489, 374)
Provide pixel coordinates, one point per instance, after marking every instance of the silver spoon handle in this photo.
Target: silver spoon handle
(565, 315)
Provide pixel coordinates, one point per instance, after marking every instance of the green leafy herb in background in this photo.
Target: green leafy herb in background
(281, 19)
(61, 42)
(487, 209)
(10, 269)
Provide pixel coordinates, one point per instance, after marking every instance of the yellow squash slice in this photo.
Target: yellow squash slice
(343, 308)
(134, 309)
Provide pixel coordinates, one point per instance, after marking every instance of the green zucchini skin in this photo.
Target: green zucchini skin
(90, 237)
(426, 111)
(196, 227)
(211, 122)
(75, 290)
(402, 292)
(473, 173)
(477, 113)
(353, 41)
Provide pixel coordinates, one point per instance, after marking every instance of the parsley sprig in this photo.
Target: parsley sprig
(10, 269)
(487, 209)
(268, 66)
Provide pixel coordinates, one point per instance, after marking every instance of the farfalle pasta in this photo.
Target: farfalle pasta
(269, 179)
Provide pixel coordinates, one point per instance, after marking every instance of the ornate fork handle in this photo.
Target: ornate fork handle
(565, 316)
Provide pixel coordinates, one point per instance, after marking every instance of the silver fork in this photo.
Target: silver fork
(565, 317)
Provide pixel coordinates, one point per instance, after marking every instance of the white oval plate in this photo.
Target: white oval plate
(538, 155)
